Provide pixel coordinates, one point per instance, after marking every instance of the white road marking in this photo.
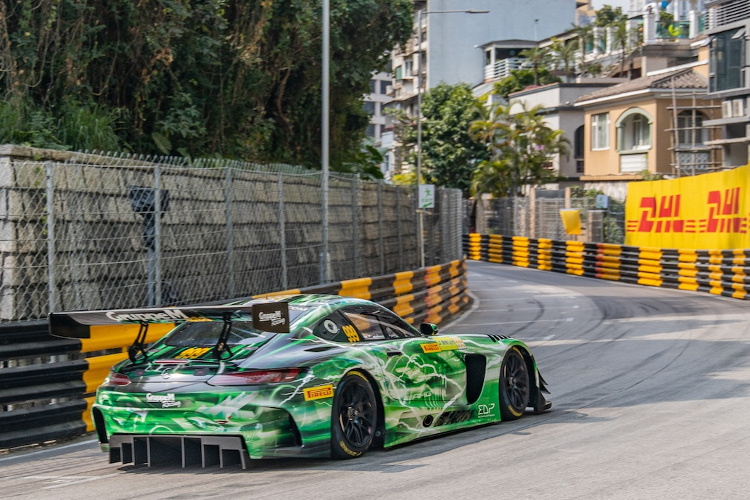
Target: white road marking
(48, 450)
(68, 480)
(501, 323)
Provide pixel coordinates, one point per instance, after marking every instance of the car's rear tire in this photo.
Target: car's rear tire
(514, 385)
(353, 416)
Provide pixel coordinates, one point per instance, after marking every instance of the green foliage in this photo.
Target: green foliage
(608, 15)
(231, 78)
(521, 147)
(449, 153)
(539, 59)
(521, 78)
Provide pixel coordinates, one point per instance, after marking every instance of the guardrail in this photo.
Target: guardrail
(720, 272)
(47, 383)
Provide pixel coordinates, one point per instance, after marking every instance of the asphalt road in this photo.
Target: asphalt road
(651, 400)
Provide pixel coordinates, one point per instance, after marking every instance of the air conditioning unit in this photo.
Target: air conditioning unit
(738, 107)
(726, 109)
(389, 90)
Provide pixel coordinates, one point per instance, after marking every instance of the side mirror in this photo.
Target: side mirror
(428, 329)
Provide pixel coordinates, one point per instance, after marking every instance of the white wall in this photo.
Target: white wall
(454, 53)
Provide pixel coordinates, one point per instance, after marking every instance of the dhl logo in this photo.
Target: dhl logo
(320, 392)
(662, 215)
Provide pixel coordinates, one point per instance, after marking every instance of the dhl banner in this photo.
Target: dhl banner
(709, 211)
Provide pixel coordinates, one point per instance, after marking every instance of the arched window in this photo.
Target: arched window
(634, 130)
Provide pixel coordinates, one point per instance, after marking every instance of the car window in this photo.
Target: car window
(368, 325)
(395, 327)
(337, 329)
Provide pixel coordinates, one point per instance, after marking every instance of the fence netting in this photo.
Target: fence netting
(539, 217)
(97, 232)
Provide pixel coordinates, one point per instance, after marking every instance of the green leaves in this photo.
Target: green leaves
(229, 77)
(521, 148)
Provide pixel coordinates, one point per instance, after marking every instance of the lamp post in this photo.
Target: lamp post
(420, 221)
(325, 118)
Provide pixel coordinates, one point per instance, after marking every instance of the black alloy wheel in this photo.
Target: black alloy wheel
(514, 385)
(353, 416)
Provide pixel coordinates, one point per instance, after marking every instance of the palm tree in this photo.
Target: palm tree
(564, 53)
(538, 58)
(521, 147)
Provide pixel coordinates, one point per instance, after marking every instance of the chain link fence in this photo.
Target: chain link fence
(539, 217)
(87, 231)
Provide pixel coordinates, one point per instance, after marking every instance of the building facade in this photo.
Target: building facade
(729, 78)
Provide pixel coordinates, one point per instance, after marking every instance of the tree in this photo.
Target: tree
(521, 147)
(538, 59)
(608, 15)
(449, 153)
(564, 53)
(519, 79)
(199, 78)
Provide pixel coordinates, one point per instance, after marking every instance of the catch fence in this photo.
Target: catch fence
(88, 231)
(538, 216)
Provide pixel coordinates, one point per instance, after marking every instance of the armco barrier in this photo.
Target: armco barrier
(720, 272)
(47, 383)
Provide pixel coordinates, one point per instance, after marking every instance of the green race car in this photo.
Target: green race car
(303, 375)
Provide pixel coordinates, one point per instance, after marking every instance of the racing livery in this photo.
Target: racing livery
(302, 375)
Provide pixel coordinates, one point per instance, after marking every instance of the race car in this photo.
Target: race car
(301, 375)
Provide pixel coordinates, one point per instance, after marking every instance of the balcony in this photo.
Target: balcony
(502, 68)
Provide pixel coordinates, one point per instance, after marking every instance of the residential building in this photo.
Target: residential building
(650, 125)
(729, 78)
(454, 41)
(557, 106)
(374, 104)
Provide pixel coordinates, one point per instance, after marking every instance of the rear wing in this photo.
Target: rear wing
(265, 316)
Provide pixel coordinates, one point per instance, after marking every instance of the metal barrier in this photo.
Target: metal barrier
(720, 272)
(47, 384)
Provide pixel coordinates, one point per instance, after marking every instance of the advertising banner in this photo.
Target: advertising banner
(708, 211)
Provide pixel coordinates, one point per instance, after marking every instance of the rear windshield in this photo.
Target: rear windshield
(206, 333)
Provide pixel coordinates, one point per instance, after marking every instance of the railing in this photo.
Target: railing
(502, 68)
(720, 272)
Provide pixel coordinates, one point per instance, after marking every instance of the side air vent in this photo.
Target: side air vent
(497, 338)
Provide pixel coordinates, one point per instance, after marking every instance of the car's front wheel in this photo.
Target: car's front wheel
(353, 417)
(514, 385)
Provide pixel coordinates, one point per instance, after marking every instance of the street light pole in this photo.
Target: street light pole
(325, 118)
(420, 212)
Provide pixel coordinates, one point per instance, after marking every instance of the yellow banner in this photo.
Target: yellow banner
(571, 219)
(709, 211)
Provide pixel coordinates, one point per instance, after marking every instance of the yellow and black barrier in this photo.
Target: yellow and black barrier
(720, 272)
(53, 400)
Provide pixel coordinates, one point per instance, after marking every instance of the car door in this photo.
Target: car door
(416, 369)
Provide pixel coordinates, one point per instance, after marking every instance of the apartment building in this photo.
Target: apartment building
(729, 78)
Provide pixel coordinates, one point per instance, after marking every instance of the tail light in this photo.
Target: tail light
(116, 379)
(255, 377)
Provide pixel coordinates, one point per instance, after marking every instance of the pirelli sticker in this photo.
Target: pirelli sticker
(320, 392)
(431, 347)
(444, 344)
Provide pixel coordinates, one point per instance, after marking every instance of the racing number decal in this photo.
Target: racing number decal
(351, 333)
(193, 352)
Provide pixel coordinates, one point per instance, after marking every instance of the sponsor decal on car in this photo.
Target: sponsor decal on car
(444, 344)
(320, 392)
(486, 410)
(166, 400)
(167, 315)
(271, 317)
(431, 347)
(193, 352)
